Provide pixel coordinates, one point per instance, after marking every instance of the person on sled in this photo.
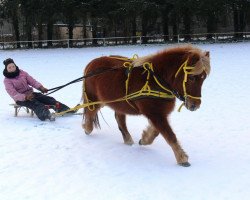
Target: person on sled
(19, 85)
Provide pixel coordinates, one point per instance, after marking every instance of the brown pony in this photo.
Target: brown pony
(181, 70)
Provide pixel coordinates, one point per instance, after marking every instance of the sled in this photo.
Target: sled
(17, 108)
(28, 110)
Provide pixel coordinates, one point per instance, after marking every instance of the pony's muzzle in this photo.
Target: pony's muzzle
(192, 104)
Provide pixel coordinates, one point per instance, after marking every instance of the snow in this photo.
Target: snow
(57, 161)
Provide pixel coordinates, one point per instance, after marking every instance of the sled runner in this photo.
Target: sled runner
(17, 108)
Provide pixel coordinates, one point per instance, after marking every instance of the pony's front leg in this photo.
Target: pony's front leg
(161, 124)
(149, 135)
(121, 121)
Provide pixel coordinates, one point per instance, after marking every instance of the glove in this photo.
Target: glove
(29, 97)
(43, 89)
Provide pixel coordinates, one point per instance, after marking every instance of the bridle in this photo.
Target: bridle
(187, 70)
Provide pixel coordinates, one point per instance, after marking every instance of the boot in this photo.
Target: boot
(60, 107)
(52, 117)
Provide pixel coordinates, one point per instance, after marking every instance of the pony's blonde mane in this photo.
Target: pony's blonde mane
(141, 60)
(203, 64)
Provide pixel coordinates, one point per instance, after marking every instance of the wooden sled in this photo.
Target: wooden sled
(18, 108)
(31, 112)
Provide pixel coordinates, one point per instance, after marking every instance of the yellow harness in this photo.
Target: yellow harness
(185, 68)
(144, 91)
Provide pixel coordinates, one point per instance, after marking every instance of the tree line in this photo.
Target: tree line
(112, 18)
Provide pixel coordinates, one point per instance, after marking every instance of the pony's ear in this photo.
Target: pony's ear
(194, 59)
(207, 54)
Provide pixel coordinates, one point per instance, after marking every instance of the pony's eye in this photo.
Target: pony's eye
(191, 78)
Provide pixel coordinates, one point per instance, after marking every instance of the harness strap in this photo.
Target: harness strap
(129, 67)
(127, 97)
(126, 64)
(126, 59)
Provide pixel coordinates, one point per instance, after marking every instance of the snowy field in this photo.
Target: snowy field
(57, 161)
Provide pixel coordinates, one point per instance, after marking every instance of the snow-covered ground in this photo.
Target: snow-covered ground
(56, 160)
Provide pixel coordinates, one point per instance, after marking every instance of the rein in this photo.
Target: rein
(94, 73)
(91, 74)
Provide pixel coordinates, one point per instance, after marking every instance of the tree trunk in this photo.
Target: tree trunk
(16, 29)
(84, 29)
(125, 31)
(29, 36)
(85, 34)
(40, 33)
(134, 39)
(29, 32)
(174, 21)
(115, 25)
(242, 23)
(165, 22)
(94, 33)
(144, 28)
(187, 25)
(236, 23)
(211, 26)
(175, 32)
(104, 31)
(70, 30)
(49, 33)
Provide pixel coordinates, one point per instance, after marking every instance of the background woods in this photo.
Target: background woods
(38, 20)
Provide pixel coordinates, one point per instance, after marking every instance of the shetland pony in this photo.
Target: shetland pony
(181, 70)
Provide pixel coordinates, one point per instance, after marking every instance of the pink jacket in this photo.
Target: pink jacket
(19, 86)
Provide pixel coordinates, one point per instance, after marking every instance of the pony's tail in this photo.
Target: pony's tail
(96, 121)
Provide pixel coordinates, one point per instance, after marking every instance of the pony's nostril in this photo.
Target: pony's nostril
(192, 107)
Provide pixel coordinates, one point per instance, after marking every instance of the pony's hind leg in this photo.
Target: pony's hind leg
(90, 119)
(149, 135)
(121, 121)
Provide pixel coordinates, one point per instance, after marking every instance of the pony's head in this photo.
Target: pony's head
(190, 76)
(184, 69)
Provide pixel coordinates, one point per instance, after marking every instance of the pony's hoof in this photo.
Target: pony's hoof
(130, 143)
(185, 164)
(141, 142)
(87, 133)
